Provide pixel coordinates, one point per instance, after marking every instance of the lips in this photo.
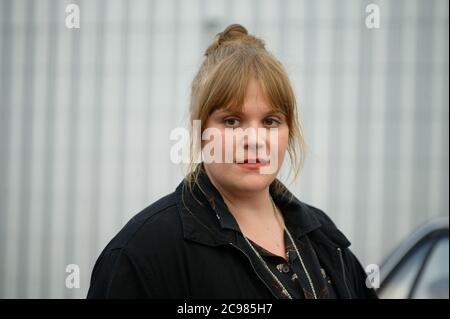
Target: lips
(252, 161)
(252, 164)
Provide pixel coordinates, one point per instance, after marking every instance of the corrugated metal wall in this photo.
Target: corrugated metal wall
(85, 116)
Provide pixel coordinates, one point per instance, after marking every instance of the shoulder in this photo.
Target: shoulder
(328, 227)
(319, 214)
(125, 265)
(153, 223)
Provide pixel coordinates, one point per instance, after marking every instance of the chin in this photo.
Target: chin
(239, 179)
(251, 181)
(251, 187)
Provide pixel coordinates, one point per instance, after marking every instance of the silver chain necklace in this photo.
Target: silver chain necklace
(284, 290)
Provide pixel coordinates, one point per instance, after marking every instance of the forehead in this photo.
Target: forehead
(255, 101)
(255, 98)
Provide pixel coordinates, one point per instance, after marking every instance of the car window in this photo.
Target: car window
(399, 283)
(433, 282)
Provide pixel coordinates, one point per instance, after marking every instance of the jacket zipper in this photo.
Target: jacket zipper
(343, 272)
(255, 270)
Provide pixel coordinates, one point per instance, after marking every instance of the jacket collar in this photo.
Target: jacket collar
(207, 220)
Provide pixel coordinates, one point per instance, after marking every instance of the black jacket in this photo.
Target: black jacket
(183, 246)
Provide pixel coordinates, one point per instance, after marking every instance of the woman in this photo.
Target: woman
(231, 229)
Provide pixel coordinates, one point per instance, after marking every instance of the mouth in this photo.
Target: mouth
(252, 163)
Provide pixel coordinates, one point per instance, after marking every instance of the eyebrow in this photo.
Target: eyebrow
(271, 112)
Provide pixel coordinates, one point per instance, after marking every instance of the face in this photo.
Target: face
(254, 157)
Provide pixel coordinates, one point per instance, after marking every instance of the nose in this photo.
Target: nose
(254, 137)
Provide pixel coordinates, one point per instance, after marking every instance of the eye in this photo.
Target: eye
(271, 122)
(231, 122)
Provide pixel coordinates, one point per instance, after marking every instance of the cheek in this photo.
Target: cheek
(282, 140)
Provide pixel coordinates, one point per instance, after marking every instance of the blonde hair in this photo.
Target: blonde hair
(231, 61)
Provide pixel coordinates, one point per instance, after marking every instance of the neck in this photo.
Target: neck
(248, 206)
(256, 203)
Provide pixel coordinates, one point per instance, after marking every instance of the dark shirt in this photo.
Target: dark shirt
(291, 273)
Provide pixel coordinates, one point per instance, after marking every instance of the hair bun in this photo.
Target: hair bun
(234, 34)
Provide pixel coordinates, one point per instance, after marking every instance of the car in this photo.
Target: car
(419, 267)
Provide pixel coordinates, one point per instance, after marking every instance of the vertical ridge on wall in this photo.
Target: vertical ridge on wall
(5, 127)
